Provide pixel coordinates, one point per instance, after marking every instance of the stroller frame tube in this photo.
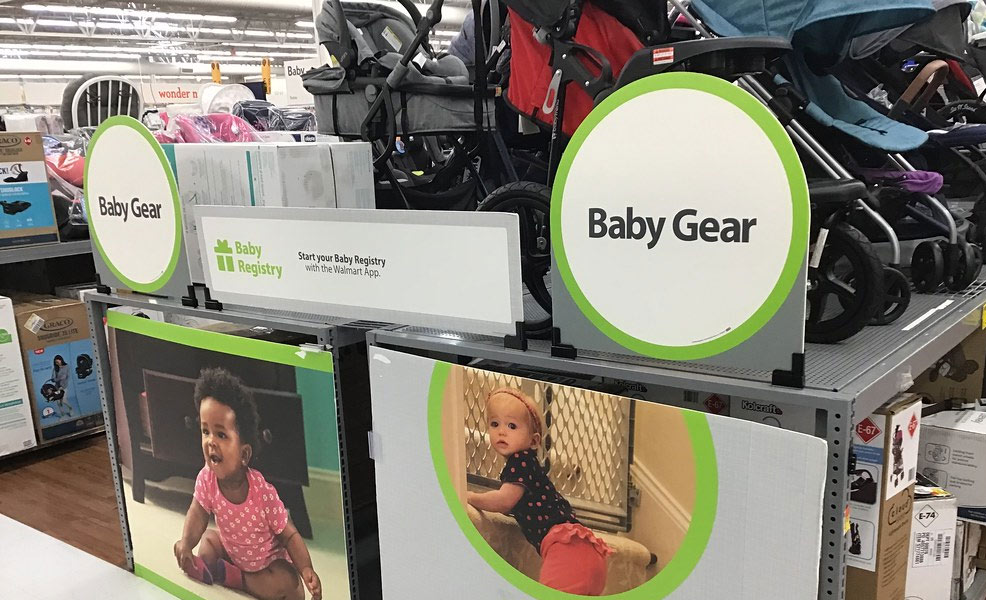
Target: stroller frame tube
(803, 139)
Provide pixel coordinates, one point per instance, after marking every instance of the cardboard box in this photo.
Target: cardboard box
(74, 291)
(291, 174)
(58, 357)
(957, 375)
(953, 451)
(16, 423)
(933, 543)
(352, 163)
(27, 215)
(881, 501)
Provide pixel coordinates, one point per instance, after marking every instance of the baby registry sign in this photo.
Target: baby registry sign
(522, 489)
(409, 267)
(133, 209)
(713, 226)
(230, 456)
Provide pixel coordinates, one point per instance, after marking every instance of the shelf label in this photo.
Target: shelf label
(452, 270)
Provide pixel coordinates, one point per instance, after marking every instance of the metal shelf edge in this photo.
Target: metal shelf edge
(44, 251)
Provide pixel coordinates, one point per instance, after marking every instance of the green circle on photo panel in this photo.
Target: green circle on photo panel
(680, 216)
(673, 573)
(132, 204)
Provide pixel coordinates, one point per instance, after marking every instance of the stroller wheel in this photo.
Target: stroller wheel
(927, 267)
(896, 296)
(849, 271)
(963, 268)
(532, 202)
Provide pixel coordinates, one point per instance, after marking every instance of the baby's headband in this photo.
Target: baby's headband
(525, 400)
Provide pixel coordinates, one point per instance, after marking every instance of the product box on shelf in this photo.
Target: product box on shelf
(352, 163)
(299, 175)
(958, 375)
(27, 215)
(968, 539)
(74, 291)
(58, 356)
(933, 542)
(953, 451)
(886, 447)
(16, 425)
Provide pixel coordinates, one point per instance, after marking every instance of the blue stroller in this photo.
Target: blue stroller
(820, 34)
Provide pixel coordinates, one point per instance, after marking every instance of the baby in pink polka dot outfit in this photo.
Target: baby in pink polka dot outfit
(257, 548)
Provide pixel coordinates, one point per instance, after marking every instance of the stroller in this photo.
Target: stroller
(432, 123)
(590, 56)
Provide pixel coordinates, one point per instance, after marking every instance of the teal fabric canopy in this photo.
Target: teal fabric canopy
(818, 28)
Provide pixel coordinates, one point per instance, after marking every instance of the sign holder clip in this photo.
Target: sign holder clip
(101, 287)
(559, 349)
(795, 377)
(192, 300)
(517, 341)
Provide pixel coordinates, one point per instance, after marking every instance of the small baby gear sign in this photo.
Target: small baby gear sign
(680, 228)
(134, 212)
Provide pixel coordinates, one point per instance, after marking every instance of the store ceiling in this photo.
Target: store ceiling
(166, 37)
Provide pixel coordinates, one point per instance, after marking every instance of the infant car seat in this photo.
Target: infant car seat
(17, 206)
(51, 392)
(863, 487)
(83, 366)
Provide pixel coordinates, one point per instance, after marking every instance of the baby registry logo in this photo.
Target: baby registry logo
(228, 261)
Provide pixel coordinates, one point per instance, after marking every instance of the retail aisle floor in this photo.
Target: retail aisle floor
(35, 566)
(66, 492)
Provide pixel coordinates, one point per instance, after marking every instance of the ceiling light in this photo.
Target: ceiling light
(123, 12)
(67, 54)
(305, 24)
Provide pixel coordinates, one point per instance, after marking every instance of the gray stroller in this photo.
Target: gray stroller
(432, 124)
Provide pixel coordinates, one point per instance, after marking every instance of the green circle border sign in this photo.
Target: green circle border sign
(797, 182)
(678, 569)
(169, 271)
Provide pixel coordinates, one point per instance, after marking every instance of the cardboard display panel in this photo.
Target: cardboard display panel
(466, 458)
(232, 477)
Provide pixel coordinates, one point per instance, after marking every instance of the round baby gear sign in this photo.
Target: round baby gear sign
(133, 207)
(680, 221)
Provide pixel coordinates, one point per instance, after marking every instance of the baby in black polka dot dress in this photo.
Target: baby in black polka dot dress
(573, 559)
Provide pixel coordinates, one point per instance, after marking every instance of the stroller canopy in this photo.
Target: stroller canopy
(944, 34)
(821, 28)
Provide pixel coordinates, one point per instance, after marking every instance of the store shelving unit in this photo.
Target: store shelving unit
(845, 383)
(44, 251)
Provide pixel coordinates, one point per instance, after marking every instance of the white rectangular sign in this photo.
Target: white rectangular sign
(294, 86)
(454, 270)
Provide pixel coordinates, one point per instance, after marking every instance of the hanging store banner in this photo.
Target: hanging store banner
(680, 227)
(134, 211)
(455, 270)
